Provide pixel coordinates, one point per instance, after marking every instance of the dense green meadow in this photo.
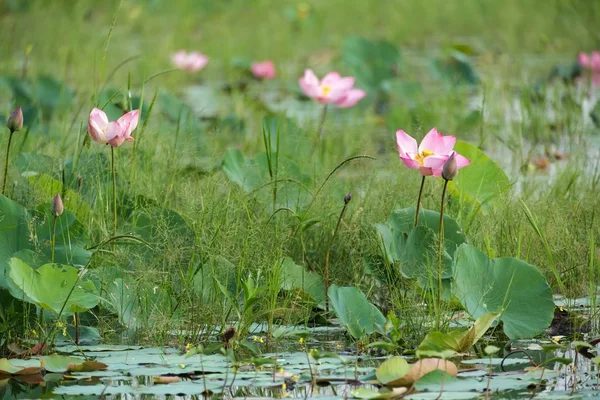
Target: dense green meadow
(232, 205)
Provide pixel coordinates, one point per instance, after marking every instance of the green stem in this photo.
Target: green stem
(6, 165)
(114, 176)
(419, 201)
(322, 122)
(440, 248)
(53, 238)
(337, 227)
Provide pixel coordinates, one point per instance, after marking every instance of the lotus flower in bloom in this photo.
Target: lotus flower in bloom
(591, 62)
(114, 133)
(429, 157)
(190, 62)
(263, 70)
(332, 89)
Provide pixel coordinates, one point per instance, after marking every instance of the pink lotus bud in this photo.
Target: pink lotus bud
(15, 121)
(264, 70)
(57, 207)
(450, 168)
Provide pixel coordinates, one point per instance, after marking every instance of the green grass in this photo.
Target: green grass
(517, 43)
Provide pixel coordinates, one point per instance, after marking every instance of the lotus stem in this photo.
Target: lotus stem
(76, 321)
(322, 123)
(53, 238)
(440, 249)
(114, 182)
(347, 199)
(419, 201)
(6, 164)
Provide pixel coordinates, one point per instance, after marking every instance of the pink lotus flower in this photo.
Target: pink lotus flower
(332, 89)
(114, 133)
(263, 70)
(429, 157)
(189, 62)
(591, 62)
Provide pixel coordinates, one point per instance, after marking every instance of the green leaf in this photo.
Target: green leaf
(14, 234)
(483, 182)
(355, 312)
(476, 331)
(371, 63)
(392, 370)
(52, 285)
(71, 236)
(295, 277)
(19, 367)
(437, 341)
(46, 187)
(216, 268)
(416, 248)
(423, 367)
(254, 175)
(18, 226)
(455, 69)
(505, 286)
(61, 364)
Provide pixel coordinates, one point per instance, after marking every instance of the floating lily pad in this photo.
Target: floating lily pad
(19, 367)
(60, 364)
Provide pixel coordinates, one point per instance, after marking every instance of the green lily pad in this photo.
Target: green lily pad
(19, 367)
(61, 364)
(505, 286)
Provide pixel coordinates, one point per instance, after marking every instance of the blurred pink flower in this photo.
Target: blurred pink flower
(429, 157)
(190, 62)
(591, 62)
(332, 89)
(114, 133)
(264, 70)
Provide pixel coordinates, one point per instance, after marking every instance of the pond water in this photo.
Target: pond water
(134, 372)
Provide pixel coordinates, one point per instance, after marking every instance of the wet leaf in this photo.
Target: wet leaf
(19, 367)
(60, 363)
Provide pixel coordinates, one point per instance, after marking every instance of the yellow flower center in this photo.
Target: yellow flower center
(422, 155)
(325, 90)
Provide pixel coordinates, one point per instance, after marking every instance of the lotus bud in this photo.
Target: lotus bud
(15, 121)
(450, 168)
(57, 207)
(347, 198)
